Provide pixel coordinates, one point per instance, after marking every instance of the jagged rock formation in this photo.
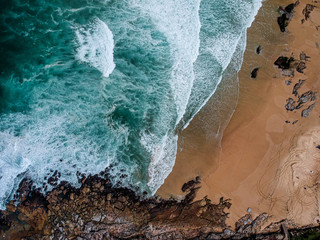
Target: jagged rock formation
(96, 210)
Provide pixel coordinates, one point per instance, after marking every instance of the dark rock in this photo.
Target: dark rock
(294, 122)
(318, 146)
(306, 112)
(191, 195)
(307, 10)
(288, 82)
(283, 22)
(190, 184)
(287, 121)
(254, 73)
(297, 86)
(258, 49)
(286, 15)
(301, 66)
(284, 62)
(290, 106)
(290, 7)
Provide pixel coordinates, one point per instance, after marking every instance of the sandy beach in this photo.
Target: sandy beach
(267, 160)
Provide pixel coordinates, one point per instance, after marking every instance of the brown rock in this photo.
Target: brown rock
(301, 66)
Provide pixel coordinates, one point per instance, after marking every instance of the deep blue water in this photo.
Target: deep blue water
(86, 85)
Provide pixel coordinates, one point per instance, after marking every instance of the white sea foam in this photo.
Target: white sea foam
(220, 47)
(45, 138)
(162, 153)
(179, 21)
(39, 149)
(12, 163)
(96, 46)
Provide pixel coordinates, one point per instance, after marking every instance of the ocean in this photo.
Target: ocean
(87, 85)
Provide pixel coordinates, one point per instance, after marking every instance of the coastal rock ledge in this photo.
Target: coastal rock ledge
(96, 210)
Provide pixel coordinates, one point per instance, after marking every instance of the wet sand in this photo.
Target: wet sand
(261, 163)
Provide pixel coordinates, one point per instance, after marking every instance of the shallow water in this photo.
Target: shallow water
(86, 85)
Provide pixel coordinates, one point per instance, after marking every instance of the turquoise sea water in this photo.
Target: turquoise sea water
(86, 85)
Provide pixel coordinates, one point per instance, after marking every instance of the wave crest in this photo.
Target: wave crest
(96, 46)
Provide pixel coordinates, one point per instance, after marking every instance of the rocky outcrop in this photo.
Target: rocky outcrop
(96, 210)
(286, 15)
(290, 64)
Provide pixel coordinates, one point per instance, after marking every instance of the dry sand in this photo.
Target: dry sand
(262, 162)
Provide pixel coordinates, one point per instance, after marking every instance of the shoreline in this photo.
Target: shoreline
(96, 210)
(249, 165)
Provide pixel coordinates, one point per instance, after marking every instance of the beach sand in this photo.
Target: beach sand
(262, 163)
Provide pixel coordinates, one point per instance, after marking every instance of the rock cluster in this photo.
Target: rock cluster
(306, 12)
(291, 64)
(96, 210)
